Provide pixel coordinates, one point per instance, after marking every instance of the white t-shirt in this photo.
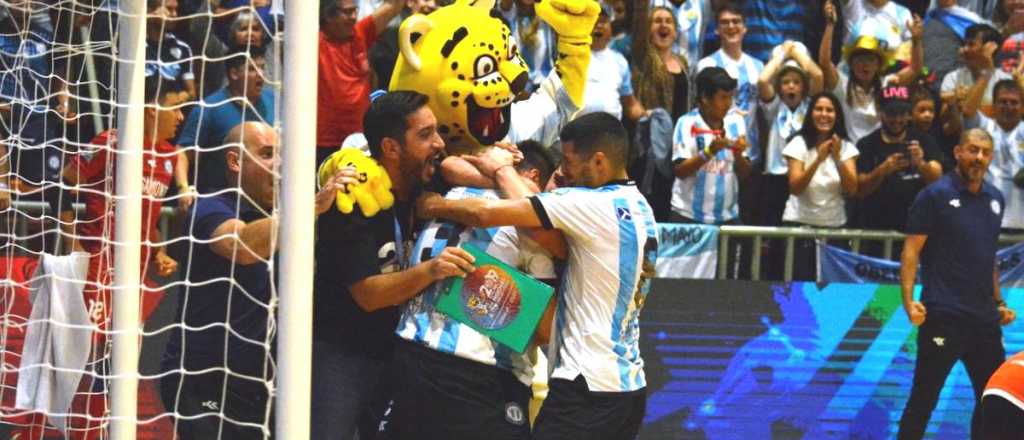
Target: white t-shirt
(821, 203)
(608, 80)
(783, 123)
(1007, 160)
(962, 77)
(861, 117)
(613, 250)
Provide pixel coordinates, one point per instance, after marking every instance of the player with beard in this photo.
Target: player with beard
(896, 161)
(953, 229)
(362, 272)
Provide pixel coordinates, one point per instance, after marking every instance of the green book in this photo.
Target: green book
(496, 300)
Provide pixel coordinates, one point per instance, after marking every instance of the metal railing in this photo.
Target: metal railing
(791, 234)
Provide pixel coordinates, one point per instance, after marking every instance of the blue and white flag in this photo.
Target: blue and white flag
(687, 251)
(840, 266)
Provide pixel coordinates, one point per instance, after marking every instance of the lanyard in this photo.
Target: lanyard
(399, 244)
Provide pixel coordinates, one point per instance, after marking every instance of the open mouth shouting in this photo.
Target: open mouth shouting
(487, 125)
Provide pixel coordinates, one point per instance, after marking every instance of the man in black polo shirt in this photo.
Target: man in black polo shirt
(953, 226)
(896, 161)
(362, 272)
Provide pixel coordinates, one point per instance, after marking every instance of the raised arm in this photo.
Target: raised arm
(828, 70)
(245, 243)
(385, 13)
(765, 83)
(814, 74)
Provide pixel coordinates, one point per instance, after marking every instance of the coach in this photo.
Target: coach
(953, 228)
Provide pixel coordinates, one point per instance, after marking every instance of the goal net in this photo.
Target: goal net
(207, 293)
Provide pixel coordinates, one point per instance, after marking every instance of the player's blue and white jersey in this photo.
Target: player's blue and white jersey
(423, 324)
(613, 245)
(711, 195)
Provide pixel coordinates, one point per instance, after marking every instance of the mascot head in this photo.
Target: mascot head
(464, 58)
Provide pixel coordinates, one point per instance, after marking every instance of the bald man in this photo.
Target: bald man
(226, 303)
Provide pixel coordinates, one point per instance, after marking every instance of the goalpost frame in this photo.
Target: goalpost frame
(130, 93)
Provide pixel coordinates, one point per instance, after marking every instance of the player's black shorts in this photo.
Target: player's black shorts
(572, 411)
(442, 396)
(1000, 418)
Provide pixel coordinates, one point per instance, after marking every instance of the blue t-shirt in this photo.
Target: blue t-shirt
(210, 122)
(221, 292)
(958, 259)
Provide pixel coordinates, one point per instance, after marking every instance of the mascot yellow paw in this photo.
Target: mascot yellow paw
(572, 20)
(372, 194)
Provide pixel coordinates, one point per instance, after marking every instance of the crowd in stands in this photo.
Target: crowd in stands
(775, 112)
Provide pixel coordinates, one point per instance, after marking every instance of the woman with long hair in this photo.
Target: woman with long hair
(659, 74)
(866, 59)
(822, 171)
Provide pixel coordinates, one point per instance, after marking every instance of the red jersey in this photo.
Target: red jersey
(96, 173)
(344, 84)
(1008, 381)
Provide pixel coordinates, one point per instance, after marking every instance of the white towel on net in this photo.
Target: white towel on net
(58, 338)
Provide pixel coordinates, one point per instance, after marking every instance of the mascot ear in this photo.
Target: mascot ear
(415, 27)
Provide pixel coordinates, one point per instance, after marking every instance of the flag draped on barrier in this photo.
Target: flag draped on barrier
(687, 251)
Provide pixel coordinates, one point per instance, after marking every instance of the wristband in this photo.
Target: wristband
(706, 153)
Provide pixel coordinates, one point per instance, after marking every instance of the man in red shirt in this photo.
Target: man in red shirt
(344, 83)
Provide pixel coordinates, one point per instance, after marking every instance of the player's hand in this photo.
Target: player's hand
(165, 265)
(1006, 315)
(340, 181)
(452, 262)
(916, 312)
(488, 164)
(517, 156)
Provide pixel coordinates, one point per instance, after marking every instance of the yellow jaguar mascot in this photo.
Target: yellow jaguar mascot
(465, 59)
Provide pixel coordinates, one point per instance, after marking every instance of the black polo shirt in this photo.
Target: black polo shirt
(958, 259)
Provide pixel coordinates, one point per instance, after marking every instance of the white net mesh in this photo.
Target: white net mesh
(206, 366)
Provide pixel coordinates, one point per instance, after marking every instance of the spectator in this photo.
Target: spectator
(609, 84)
(622, 27)
(452, 382)
(742, 67)
(691, 24)
(945, 28)
(953, 230)
(822, 171)
(34, 102)
(362, 273)
(1007, 132)
(384, 52)
(980, 41)
(166, 55)
(246, 31)
(243, 99)
(535, 39)
(784, 85)
(709, 154)
(865, 57)
(659, 75)
(771, 22)
(344, 81)
(1008, 16)
(923, 105)
(896, 162)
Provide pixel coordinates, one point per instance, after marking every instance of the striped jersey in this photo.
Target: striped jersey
(422, 323)
(613, 245)
(746, 72)
(1007, 161)
(784, 122)
(710, 195)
